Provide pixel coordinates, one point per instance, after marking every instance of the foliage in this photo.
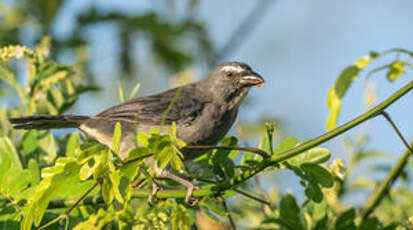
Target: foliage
(69, 181)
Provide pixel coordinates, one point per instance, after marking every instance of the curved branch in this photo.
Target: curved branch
(316, 141)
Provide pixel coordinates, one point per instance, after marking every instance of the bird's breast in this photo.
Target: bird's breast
(210, 127)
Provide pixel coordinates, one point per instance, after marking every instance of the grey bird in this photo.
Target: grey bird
(203, 111)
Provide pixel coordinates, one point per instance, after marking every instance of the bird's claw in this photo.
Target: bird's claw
(152, 199)
(189, 199)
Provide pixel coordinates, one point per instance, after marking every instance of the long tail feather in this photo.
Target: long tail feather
(48, 122)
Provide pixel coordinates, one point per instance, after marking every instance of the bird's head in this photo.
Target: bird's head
(231, 81)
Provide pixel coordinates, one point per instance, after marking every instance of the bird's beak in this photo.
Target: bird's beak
(252, 79)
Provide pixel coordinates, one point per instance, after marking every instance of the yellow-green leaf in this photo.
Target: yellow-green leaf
(121, 92)
(334, 105)
(117, 133)
(395, 71)
(363, 62)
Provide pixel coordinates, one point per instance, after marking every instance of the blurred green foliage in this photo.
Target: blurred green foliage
(42, 175)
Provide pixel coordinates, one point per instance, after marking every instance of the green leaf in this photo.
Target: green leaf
(286, 144)
(371, 223)
(55, 180)
(346, 220)
(56, 97)
(115, 181)
(9, 77)
(246, 158)
(313, 192)
(134, 91)
(117, 134)
(395, 71)
(121, 92)
(334, 105)
(321, 224)
(343, 82)
(9, 160)
(289, 213)
(47, 143)
(289, 208)
(143, 139)
(180, 218)
(107, 191)
(29, 142)
(33, 167)
(213, 205)
(315, 155)
(286, 223)
(363, 62)
(265, 145)
(73, 145)
(345, 79)
(90, 167)
(319, 173)
(374, 54)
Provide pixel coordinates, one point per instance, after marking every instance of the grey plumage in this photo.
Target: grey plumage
(204, 111)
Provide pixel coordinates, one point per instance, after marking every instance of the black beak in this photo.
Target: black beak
(252, 79)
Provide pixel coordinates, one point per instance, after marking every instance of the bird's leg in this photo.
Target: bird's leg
(190, 186)
(155, 186)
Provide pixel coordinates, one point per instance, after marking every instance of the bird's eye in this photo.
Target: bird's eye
(229, 74)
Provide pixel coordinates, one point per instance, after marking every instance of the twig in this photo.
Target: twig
(252, 197)
(388, 118)
(261, 192)
(90, 200)
(228, 213)
(133, 160)
(12, 202)
(83, 197)
(397, 50)
(261, 152)
(395, 172)
(67, 212)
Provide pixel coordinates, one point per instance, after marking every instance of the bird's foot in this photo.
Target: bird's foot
(152, 199)
(189, 199)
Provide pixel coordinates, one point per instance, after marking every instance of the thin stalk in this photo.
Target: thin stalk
(228, 213)
(383, 188)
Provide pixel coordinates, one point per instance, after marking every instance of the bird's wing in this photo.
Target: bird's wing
(181, 105)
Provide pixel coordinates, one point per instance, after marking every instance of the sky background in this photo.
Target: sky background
(299, 47)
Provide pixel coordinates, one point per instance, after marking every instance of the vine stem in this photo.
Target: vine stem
(276, 159)
(394, 173)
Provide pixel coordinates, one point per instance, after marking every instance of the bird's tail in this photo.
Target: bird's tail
(48, 122)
